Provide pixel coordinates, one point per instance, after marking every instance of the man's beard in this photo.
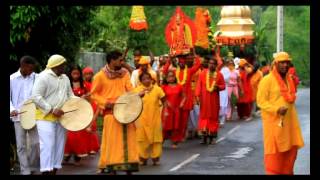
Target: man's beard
(117, 68)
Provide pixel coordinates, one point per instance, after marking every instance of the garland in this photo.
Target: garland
(184, 75)
(208, 86)
(287, 92)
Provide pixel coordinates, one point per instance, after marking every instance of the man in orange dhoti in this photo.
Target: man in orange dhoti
(119, 149)
(281, 130)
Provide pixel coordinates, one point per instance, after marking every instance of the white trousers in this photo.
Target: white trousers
(27, 148)
(52, 138)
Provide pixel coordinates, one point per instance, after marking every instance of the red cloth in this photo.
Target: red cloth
(246, 88)
(93, 139)
(187, 88)
(81, 142)
(294, 76)
(184, 123)
(209, 102)
(172, 122)
(87, 70)
(244, 109)
(76, 142)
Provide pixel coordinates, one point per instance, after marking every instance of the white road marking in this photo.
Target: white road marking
(193, 157)
(233, 129)
(222, 138)
(229, 132)
(240, 153)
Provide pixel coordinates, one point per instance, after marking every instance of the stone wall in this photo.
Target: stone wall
(95, 60)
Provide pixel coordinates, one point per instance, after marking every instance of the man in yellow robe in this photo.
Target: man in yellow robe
(118, 145)
(281, 130)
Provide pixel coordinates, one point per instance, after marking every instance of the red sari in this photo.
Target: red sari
(209, 104)
(187, 89)
(93, 139)
(77, 142)
(171, 117)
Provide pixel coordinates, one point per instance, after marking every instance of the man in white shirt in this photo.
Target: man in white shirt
(21, 83)
(51, 90)
(144, 66)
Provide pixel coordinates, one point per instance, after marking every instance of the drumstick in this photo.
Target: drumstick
(28, 103)
(70, 111)
(20, 113)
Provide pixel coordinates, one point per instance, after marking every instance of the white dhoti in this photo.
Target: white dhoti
(52, 138)
(193, 118)
(27, 150)
(224, 100)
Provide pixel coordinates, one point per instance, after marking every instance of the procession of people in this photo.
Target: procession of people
(187, 95)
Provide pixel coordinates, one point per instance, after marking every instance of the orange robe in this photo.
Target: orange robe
(209, 103)
(280, 143)
(254, 81)
(119, 149)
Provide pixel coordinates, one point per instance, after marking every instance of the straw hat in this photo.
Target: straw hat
(55, 60)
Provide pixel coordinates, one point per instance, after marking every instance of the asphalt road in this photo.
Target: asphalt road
(239, 150)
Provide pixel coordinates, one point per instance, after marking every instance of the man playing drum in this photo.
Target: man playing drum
(21, 83)
(51, 90)
(119, 149)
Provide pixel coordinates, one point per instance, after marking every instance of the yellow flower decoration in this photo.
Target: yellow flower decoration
(208, 86)
(184, 75)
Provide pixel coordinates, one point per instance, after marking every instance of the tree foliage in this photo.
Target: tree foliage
(44, 30)
(41, 31)
(296, 36)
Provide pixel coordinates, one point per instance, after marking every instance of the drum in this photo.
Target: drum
(78, 114)
(127, 108)
(28, 115)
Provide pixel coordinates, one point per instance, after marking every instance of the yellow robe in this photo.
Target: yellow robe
(149, 127)
(277, 139)
(254, 81)
(119, 149)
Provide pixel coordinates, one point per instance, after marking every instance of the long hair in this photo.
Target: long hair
(165, 81)
(76, 67)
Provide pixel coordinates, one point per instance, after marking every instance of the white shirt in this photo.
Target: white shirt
(135, 77)
(20, 90)
(51, 91)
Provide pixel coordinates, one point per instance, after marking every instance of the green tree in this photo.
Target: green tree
(296, 36)
(41, 31)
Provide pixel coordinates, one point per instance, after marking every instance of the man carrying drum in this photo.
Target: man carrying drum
(21, 83)
(119, 150)
(51, 90)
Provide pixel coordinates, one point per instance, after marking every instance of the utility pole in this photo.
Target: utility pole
(279, 28)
